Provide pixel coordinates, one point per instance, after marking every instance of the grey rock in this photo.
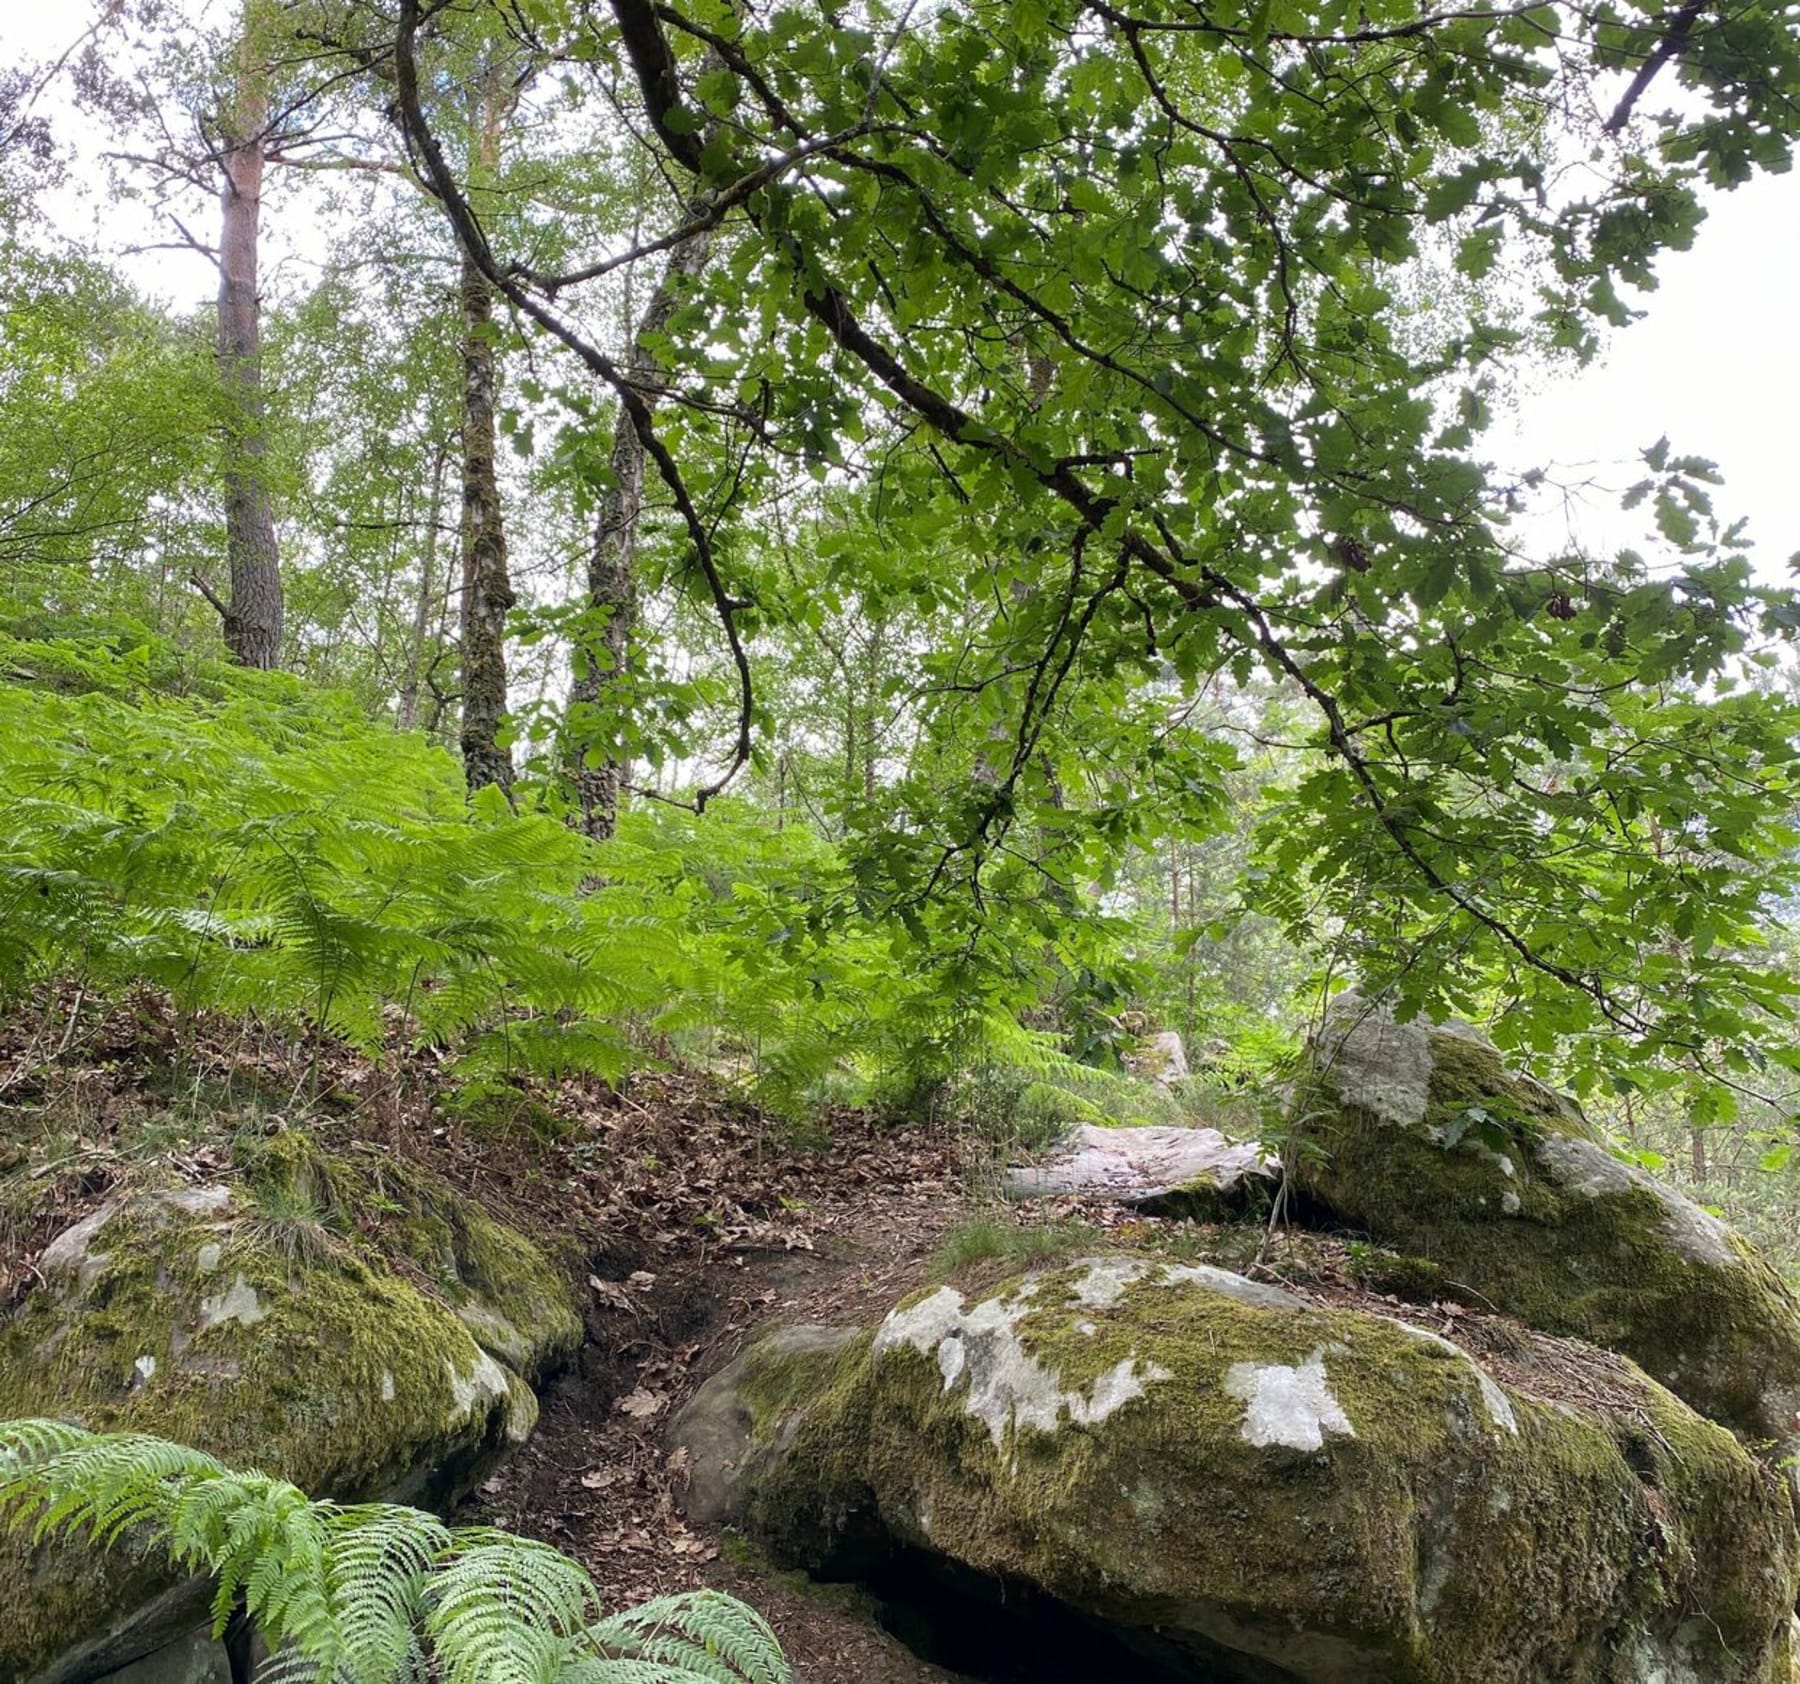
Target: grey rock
(1149, 1167)
(1420, 1135)
(1257, 1488)
(194, 1659)
(715, 1426)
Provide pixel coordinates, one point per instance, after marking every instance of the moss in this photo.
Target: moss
(1204, 1200)
(329, 1372)
(1415, 1280)
(1482, 1210)
(514, 1302)
(1432, 1544)
(804, 1471)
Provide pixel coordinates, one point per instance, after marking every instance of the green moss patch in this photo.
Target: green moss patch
(348, 1324)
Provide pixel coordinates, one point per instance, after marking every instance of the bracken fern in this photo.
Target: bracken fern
(372, 1593)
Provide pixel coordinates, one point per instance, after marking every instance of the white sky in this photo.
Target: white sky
(1715, 363)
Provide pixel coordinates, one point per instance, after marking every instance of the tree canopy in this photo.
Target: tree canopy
(1103, 309)
(1023, 438)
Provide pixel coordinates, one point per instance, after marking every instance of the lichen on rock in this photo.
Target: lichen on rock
(1419, 1134)
(268, 1332)
(1266, 1484)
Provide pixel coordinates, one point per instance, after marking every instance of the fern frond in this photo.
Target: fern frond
(373, 1593)
(703, 1633)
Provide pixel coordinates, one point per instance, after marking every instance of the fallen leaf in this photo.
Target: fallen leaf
(640, 1405)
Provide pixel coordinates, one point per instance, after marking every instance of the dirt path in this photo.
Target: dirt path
(850, 1228)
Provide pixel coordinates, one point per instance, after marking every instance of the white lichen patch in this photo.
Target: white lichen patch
(494, 1333)
(1105, 1280)
(238, 1303)
(1581, 1167)
(1235, 1287)
(479, 1387)
(1291, 1406)
(387, 1385)
(1376, 1064)
(1005, 1386)
(145, 1369)
(197, 1201)
(208, 1258)
(72, 1253)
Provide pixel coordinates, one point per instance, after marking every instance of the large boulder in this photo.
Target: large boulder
(258, 1321)
(1244, 1487)
(1419, 1134)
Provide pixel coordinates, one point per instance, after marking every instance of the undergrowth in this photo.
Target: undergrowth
(372, 1593)
(245, 844)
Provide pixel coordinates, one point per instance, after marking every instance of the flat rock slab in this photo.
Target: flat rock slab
(1149, 1168)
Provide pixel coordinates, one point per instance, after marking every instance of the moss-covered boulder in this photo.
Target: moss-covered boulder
(1420, 1135)
(1257, 1489)
(355, 1329)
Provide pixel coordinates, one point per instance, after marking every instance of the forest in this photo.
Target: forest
(811, 868)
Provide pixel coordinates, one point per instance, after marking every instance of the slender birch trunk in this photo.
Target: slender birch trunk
(253, 615)
(487, 592)
(601, 766)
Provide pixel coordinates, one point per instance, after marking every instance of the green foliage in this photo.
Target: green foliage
(1091, 394)
(251, 844)
(984, 1238)
(104, 410)
(371, 1593)
(1134, 410)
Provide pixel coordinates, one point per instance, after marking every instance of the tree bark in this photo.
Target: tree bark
(487, 592)
(600, 765)
(252, 617)
(421, 627)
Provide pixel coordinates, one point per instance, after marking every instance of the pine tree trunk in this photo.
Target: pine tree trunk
(487, 591)
(252, 617)
(600, 765)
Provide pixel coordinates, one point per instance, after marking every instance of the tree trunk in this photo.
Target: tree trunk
(421, 627)
(252, 617)
(487, 591)
(600, 764)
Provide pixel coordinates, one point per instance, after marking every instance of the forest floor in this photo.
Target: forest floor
(848, 1229)
(689, 1222)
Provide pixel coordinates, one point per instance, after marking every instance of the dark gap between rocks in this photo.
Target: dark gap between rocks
(995, 1631)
